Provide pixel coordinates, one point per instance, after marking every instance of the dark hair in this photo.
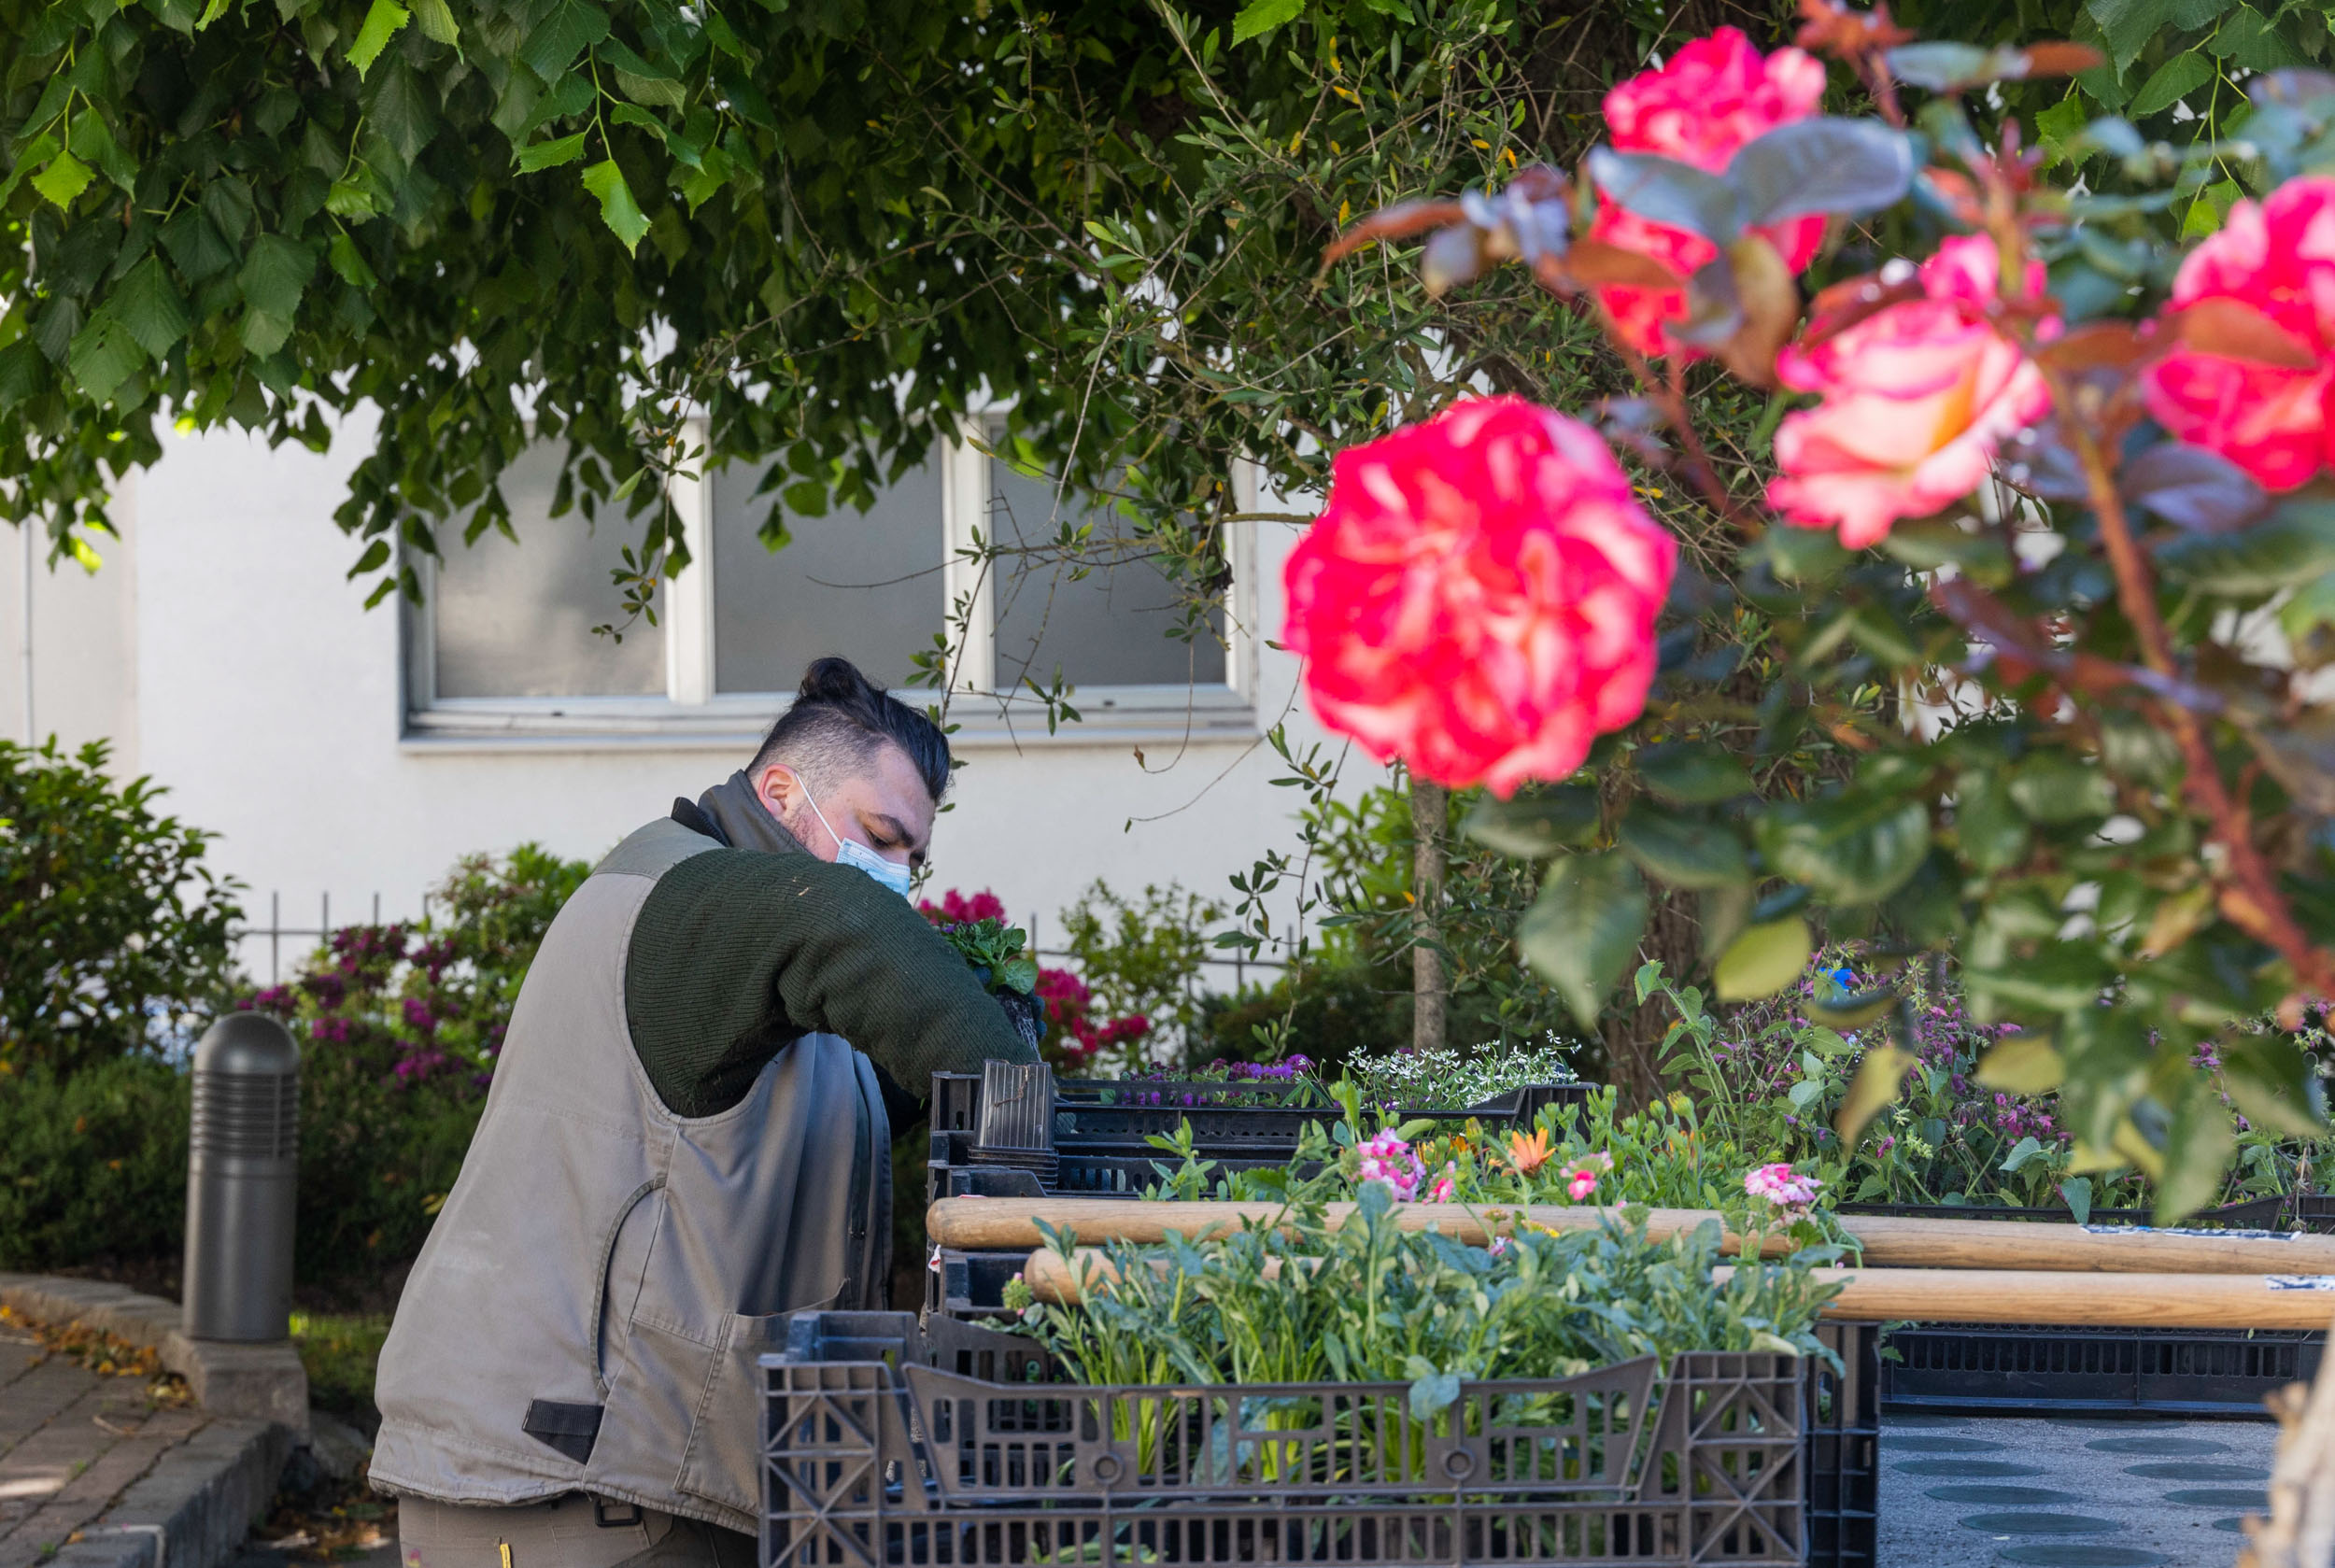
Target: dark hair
(838, 721)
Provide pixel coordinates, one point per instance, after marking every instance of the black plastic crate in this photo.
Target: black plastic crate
(2312, 1211)
(1976, 1368)
(2044, 1369)
(2253, 1214)
(1842, 1468)
(956, 1169)
(884, 1444)
(1085, 1120)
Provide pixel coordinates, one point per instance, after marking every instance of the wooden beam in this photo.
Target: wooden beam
(1952, 1295)
(1010, 1224)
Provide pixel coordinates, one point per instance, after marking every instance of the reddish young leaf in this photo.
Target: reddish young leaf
(2062, 58)
(2096, 345)
(1593, 263)
(1851, 301)
(2237, 330)
(1830, 27)
(1399, 221)
(1770, 302)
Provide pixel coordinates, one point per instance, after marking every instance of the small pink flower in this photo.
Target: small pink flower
(1780, 1185)
(1446, 1186)
(1388, 1159)
(1580, 1176)
(1919, 397)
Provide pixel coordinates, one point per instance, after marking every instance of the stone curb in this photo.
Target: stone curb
(195, 1507)
(263, 1383)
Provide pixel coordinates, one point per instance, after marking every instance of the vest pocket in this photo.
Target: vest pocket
(723, 1462)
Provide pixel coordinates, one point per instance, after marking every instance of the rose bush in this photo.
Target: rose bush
(1479, 596)
(1918, 398)
(2266, 411)
(1716, 94)
(2109, 811)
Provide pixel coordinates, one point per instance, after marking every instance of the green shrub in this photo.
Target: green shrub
(397, 1025)
(93, 1163)
(1143, 957)
(1334, 1010)
(113, 932)
(399, 1028)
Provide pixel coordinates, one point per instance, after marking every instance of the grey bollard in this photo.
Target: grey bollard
(241, 1176)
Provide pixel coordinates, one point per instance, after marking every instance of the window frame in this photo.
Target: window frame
(691, 713)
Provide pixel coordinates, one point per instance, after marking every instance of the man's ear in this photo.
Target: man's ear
(777, 785)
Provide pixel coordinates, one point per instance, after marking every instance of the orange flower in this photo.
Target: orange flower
(1528, 1154)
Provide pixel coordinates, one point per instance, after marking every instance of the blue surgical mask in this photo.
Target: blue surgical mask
(851, 851)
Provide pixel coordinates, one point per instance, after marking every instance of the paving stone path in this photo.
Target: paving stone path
(1972, 1492)
(72, 1444)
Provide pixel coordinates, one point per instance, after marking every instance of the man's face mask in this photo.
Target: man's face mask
(851, 851)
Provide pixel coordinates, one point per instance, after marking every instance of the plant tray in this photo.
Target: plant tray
(2312, 1211)
(2045, 1370)
(1842, 1467)
(2254, 1214)
(957, 1170)
(886, 1444)
(1993, 1368)
(1084, 1122)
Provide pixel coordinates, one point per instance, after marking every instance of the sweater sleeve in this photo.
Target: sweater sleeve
(737, 953)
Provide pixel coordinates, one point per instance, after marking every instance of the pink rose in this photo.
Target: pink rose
(1716, 94)
(2277, 256)
(1919, 397)
(1479, 596)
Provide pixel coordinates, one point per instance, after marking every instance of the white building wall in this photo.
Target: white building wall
(269, 701)
(78, 669)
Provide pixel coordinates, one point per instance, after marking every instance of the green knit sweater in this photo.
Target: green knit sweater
(737, 953)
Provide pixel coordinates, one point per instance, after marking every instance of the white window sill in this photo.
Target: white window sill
(1109, 717)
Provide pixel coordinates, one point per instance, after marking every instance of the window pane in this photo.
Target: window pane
(516, 620)
(1109, 627)
(865, 586)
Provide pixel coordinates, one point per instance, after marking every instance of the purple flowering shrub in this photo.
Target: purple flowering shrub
(1775, 1072)
(399, 1026)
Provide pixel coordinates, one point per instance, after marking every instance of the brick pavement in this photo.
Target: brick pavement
(72, 1444)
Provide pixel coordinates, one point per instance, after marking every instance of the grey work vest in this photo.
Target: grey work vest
(587, 1310)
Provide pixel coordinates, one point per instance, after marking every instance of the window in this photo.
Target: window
(502, 650)
(867, 585)
(1111, 626)
(515, 619)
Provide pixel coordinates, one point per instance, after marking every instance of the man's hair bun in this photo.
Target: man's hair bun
(837, 681)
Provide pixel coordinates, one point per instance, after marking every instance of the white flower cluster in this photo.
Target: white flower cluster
(1458, 1078)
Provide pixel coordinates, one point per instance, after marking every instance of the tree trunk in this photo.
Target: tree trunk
(1430, 988)
(1633, 1031)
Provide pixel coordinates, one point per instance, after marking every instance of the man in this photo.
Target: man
(684, 1144)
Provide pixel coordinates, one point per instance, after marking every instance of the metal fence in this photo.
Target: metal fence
(274, 933)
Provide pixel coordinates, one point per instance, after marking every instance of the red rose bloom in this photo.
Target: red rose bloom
(1479, 596)
(2278, 256)
(1716, 94)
